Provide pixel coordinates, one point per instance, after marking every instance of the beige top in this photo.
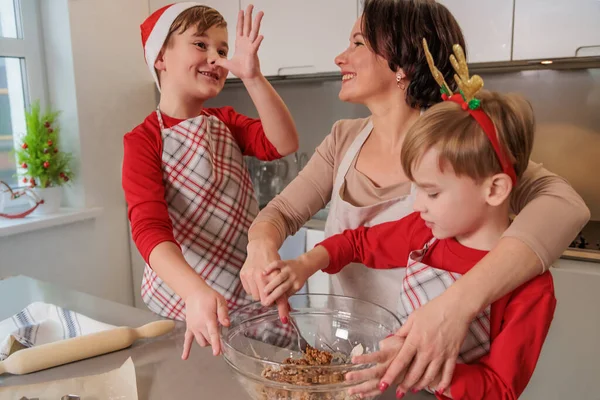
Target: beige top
(550, 212)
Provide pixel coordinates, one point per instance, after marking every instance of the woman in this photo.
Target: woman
(358, 168)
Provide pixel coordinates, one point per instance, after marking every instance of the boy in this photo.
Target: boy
(190, 198)
(464, 155)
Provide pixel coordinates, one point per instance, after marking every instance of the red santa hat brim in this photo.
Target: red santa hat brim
(155, 30)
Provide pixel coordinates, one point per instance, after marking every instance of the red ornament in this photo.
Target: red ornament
(46, 150)
(50, 130)
(66, 178)
(444, 96)
(46, 164)
(32, 181)
(47, 124)
(55, 150)
(464, 106)
(24, 165)
(49, 142)
(24, 145)
(62, 174)
(24, 180)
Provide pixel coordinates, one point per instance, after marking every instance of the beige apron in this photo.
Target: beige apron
(378, 286)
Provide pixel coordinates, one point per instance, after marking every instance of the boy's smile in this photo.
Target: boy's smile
(188, 64)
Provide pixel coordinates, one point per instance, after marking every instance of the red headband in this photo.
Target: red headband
(469, 86)
(488, 127)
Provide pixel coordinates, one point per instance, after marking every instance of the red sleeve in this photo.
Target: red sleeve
(144, 190)
(248, 133)
(383, 246)
(505, 372)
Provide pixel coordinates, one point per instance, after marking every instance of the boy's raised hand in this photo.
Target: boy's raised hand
(244, 64)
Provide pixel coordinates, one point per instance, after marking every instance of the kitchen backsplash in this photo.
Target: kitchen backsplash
(566, 105)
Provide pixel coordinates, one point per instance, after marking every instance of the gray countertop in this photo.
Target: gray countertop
(160, 372)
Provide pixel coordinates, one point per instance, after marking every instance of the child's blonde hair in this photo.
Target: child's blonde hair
(463, 144)
(201, 17)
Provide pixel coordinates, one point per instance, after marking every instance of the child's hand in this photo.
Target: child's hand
(244, 64)
(204, 309)
(284, 279)
(388, 349)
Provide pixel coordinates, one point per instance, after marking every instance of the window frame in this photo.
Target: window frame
(30, 49)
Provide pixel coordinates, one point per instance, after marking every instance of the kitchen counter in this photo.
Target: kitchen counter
(160, 372)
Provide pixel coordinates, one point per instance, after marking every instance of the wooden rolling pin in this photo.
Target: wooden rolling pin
(78, 348)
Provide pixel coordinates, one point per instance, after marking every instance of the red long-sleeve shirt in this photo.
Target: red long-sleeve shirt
(519, 321)
(142, 175)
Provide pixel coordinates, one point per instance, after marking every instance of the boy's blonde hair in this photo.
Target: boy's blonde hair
(201, 17)
(463, 144)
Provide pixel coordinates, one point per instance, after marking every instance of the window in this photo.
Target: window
(22, 77)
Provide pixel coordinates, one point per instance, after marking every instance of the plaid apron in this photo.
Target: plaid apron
(423, 283)
(211, 203)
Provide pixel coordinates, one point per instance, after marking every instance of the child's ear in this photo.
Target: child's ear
(499, 188)
(159, 64)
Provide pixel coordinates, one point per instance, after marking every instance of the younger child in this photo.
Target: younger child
(190, 198)
(464, 155)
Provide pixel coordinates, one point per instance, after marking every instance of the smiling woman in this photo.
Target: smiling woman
(357, 169)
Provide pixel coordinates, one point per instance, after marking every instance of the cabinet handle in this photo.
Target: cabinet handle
(589, 50)
(281, 69)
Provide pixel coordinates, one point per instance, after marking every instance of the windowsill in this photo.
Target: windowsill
(9, 227)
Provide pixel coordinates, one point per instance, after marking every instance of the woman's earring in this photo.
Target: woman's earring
(399, 82)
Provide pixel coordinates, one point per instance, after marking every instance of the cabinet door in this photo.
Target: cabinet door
(568, 365)
(303, 37)
(487, 27)
(556, 29)
(228, 9)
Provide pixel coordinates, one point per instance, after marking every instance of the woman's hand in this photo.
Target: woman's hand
(433, 334)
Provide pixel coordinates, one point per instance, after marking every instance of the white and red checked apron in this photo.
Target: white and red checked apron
(211, 204)
(423, 283)
(356, 280)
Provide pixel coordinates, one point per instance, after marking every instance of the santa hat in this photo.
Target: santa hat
(155, 30)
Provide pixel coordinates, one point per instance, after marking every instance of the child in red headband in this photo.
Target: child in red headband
(464, 155)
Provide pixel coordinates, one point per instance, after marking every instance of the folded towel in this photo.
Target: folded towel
(40, 323)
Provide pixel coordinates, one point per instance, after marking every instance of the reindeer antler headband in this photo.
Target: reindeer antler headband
(469, 87)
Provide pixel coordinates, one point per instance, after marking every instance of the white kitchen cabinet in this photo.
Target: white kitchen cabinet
(556, 28)
(303, 37)
(228, 8)
(568, 365)
(487, 27)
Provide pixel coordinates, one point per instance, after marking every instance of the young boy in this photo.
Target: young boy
(464, 158)
(190, 198)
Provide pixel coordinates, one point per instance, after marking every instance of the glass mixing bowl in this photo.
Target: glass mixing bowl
(257, 344)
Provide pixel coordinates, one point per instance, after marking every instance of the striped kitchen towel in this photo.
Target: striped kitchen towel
(40, 323)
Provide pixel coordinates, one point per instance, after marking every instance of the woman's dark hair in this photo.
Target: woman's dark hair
(394, 29)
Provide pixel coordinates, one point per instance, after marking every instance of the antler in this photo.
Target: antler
(469, 86)
(437, 75)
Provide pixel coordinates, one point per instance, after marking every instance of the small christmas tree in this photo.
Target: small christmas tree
(42, 163)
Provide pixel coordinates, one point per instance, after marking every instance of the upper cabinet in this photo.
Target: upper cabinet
(303, 37)
(228, 8)
(556, 29)
(487, 26)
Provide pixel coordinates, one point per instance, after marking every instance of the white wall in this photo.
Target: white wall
(98, 78)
